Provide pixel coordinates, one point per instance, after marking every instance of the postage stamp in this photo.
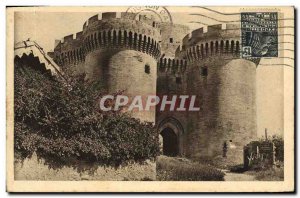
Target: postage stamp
(259, 34)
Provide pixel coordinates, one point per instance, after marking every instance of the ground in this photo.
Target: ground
(229, 176)
(182, 169)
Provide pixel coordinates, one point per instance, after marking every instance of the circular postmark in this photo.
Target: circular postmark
(154, 13)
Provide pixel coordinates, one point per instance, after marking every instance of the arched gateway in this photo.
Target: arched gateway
(170, 131)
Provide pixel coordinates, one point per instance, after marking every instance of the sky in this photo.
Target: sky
(45, 27)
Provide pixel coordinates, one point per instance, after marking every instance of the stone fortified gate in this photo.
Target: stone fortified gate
(149, 57)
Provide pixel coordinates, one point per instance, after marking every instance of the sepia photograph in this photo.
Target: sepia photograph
(150, 99)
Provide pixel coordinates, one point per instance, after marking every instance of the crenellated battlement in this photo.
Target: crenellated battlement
(173, 65)
(108, 30)
(70, 50)
(68, 38)
(72, 38)
(120, 21)
(215, 40)
(212, 32)
(118, 15)
(120, 30)
(116, 30)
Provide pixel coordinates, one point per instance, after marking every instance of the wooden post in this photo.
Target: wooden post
(266, 134)
(274, 153)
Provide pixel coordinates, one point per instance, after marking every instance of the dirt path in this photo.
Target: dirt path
(229, 176)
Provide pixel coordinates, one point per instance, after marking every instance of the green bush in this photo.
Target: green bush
(63, 124)
(172, 169)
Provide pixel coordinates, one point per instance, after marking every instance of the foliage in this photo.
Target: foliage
(272, 174)
(173, 169)
(63, 124)
(279, 148)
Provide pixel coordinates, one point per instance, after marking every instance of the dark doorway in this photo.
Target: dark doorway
(170, 142)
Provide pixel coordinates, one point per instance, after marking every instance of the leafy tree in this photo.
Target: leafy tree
(63, 123)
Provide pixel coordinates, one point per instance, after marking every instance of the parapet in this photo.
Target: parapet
(213, 32)
(119, 21)
(109, 15)
(116, 30)
(72, 38)
(214, 28)
(93, 19)
(217, 40)
(196, 33)
(68, 38)
(70, 49)
(128, 15)
(109, 30)
(79, 35)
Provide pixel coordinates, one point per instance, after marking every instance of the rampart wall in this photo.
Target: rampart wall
(146, 58)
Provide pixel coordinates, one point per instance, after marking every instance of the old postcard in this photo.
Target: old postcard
(150, 99)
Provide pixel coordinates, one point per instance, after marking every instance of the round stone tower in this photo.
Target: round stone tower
(225, 85)
(122, 54)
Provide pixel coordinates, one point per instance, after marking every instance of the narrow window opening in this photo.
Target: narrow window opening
(204, 71)
(171, 40)
(178, 80)
(147, 69)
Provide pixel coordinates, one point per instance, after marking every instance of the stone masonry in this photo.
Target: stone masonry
(152, 57)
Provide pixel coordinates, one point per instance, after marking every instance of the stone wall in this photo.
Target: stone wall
(34, 169)
(227, 108)
(116, 49)
(172, 35)
(226, 90)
